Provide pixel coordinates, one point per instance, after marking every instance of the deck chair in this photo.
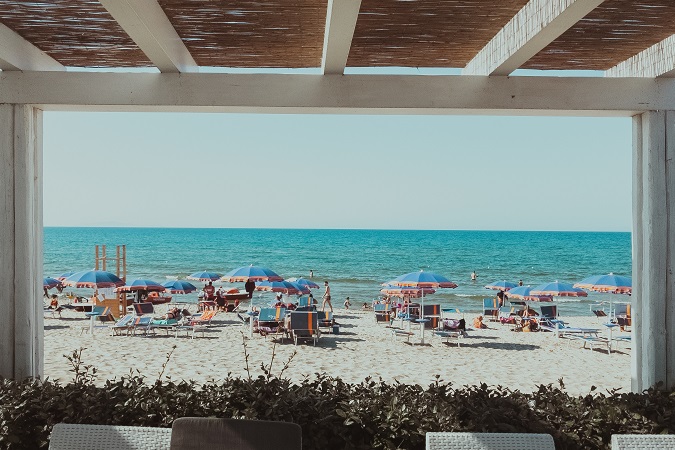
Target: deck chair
(303, 302)
(68, 436)
(124, 324)
(304, 325)
(433, 313)
(548, 312)
(270, 320)
(141, 324)
(142, 309)
(489, 441)
(491, 309)
(382, 312)
(642, 441)
(197, 433)
(326, 320)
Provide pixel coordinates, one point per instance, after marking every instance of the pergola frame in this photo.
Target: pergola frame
(34, 80)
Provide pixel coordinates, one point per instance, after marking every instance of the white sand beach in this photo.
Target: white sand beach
(363, 348)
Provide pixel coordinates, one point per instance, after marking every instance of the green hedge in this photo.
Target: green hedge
(333, 414)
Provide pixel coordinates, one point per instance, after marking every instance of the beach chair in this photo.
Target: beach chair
(491, 309)
(548, 312)
(382, 312)
(304, 325)
(193, 433)
(326, 320)
(270, 320)
(643, 441)
(196, 323)
(141, 324)
(303, 302)
(142, 309)
(124, 324)
(69, 436)
(433, 313)
(489, 441)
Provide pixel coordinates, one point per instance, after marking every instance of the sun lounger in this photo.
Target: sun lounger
(491, 309)
(382, 312)
(142, 309)
(67, 436)
(447, 335)
(399, 332)
(270, 320)
(489, 441)
(124, 324)
(643, 441)
(326, 320)
(304, 325)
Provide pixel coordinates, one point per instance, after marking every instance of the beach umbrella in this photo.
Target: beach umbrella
(304, 282)
(179, 287)
(610, 283)
(96, 279)
(50, 283)
(558, 289)
(204, 276)
(501, 285)
(64, 275)
(253, 273)
(405, 291)
(142, 285)
(525, 293)
(283, 286)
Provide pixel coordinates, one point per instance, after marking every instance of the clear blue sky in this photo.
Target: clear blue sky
(337, 171)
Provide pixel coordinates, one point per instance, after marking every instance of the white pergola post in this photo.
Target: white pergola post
(653, 305)
(21, 317)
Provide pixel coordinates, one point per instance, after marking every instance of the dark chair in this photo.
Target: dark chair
(202, 433)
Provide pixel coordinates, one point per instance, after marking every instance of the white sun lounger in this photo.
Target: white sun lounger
(489, 441)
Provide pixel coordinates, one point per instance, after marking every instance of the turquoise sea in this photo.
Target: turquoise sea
(356, 262)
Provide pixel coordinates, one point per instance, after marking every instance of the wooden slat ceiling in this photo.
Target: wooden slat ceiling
(77, 33)
(612, 33)
(247, 33)
(290, 34)
(426, 33)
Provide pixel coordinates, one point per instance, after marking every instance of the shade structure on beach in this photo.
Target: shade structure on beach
(252, 273)
(49, 282)
(142, 285)
(285, 287)
(501, 285)
(204, 276)
(422, 279)
(95, 279)
(525, 293)
(304, 282)
(179, 287)
(64, 275)
(558, 289)
(406, 291)
(615, 284)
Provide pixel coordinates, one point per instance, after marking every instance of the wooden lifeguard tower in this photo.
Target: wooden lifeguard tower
(118, 304)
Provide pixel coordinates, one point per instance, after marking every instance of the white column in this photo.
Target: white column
(653, 250)
(21, 318)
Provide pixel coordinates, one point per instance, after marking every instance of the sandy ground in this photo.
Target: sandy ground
(363, 348)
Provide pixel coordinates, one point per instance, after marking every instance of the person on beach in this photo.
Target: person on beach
(347, 303)
(249, 287)
(478, 323)
(210, 291)
(474, 277)
(326, 298)
(500, 298)
(54, 303)
(312, 300)
(279, 300)
(365, 306)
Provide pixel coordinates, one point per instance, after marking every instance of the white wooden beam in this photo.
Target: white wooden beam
(349, 94)
(656, 61)
(534, 27)
(16, 53)
(340, 23)
(21, 321)
(146, 23)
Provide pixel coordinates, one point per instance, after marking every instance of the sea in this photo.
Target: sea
(355, 262)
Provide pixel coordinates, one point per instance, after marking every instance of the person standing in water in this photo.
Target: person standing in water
(473, 276)
(326, 298)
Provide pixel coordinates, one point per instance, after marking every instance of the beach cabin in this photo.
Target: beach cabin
(166, 45)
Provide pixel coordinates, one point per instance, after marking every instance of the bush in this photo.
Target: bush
(333, 414)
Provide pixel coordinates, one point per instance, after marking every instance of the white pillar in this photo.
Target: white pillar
(21, 318)
(653, 305)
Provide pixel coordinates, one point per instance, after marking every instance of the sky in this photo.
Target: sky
(337, 171)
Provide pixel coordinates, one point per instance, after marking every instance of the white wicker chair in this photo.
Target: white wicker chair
(66, 436)
(489, 441)
(643, 441)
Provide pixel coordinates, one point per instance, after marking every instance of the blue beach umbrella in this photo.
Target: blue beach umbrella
(501, 285)
(142, 285)
(96, 279)
(422, 279)
(179, 287)
(558, 289)
(285, 287)
(49, 282)
(615, 284)
(304, 282)
(64, 275)
(525, 293)
(253, 273)
(204, 276)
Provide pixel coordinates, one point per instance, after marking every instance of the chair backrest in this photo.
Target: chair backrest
(303, 301)
(66, 436)
(271, 314)
(304, 321)
(144, 308)
(381, 307)
(549, 311)
(620, 309)
(431, 310)
(489, 441)
(197, 433)
(125, 321)
(642, 441)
